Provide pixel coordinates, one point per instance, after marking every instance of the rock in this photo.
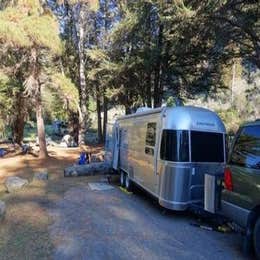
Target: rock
(95, 168)
(74, 173)
(2, 209)
(15, 183)
(41, 176)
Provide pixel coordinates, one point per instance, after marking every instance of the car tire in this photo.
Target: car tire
(122, 179)
(256, 238)
(247, 246)
(128, 183)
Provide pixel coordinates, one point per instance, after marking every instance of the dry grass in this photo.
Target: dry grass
(24, 232)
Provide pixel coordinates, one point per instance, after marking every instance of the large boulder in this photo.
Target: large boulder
(15, 183)
(2, 209)
(41, 176)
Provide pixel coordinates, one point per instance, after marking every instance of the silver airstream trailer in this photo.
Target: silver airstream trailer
(167, 151)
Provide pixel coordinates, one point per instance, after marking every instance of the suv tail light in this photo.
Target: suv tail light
(228, 179)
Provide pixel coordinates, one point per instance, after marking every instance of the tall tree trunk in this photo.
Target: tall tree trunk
(74, 125)
(99, 119)
(19, 120)
(33, 87)
(105, 99)
(127, 109)
(149, 90)
(82, 77)
(17, 130)
(40, 128)
(127, 103)
(150, 46)
(105, 103)
(157, 77)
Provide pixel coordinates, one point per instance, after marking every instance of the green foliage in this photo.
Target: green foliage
(29, 42)
(66, 90)
(29, 6)
(135, 52)
(181, 47)
(173, 102)
(43, 32)
(100, 70)
(231, 119)
(10, 32)
(8, 89)
(24, 30)
(4, 79)
(170, 102)
(54, 106)
(93, 4)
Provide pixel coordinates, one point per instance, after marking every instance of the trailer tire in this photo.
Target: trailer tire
(256, 238)
(128, 183)
(122, 179)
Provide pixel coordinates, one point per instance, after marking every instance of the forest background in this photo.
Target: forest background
(83, 61)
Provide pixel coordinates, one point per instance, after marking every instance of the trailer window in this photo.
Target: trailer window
(207, 147)
(175, 145)
(151, 134)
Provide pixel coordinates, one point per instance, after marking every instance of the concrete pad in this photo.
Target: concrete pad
(99, 186)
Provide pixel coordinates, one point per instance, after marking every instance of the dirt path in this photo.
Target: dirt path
(25, 165)
(113, 225)
(24, 232)
(64, 219)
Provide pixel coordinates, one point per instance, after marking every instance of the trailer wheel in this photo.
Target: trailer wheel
(128, 183)
(256, 238)
(122, 179)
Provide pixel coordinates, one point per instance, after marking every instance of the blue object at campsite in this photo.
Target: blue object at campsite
(2, 152)
(82, 158)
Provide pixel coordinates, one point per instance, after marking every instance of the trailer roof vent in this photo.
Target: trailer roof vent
(143, 109)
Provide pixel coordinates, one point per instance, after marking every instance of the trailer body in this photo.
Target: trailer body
(167, 152)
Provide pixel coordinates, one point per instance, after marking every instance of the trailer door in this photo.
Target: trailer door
(109, 144)
(116, 146)
(149, 170)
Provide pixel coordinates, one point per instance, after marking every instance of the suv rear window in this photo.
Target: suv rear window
(246, 149)
(207, 147)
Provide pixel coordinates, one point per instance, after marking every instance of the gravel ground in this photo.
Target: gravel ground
(111, 224)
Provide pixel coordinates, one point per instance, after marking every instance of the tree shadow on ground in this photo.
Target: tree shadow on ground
(24, 232)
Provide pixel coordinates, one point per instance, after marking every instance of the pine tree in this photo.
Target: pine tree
(30, 30)
(77, 34)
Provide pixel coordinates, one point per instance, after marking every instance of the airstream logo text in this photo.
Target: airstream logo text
(205, 124)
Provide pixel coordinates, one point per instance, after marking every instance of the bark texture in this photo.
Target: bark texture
(43, 153)
(99, 118)
(19, 119)
(82, 78)
(157, 79)
(34, 90)
(105, 104)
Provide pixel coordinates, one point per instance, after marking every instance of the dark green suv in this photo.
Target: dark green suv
(241, 196)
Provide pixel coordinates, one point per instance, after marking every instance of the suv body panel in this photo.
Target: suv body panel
(245, 196)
